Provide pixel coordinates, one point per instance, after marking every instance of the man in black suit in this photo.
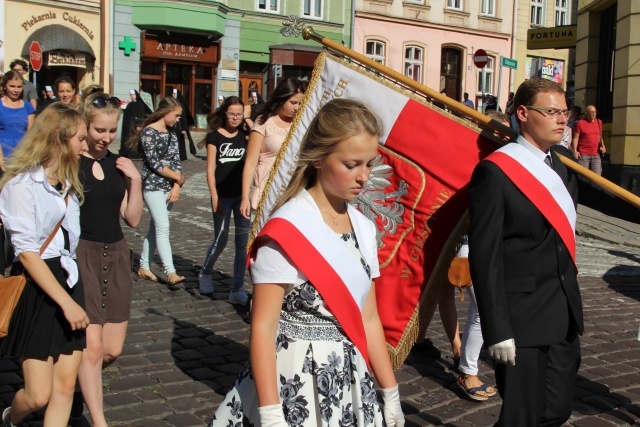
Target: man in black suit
(522, 258)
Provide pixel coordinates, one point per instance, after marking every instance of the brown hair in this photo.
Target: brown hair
(527, 92)
(7, 77)
(338, 120)
(165, 106)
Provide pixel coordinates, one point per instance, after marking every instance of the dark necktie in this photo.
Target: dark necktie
(547, 160)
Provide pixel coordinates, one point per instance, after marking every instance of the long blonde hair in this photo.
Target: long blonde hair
(47, 141)
(338, 120)
(165, 106)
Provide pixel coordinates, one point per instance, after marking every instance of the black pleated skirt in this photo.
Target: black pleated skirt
(38, 328)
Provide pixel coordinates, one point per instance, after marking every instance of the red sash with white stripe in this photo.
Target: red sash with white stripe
(321, 274)
(543, 188)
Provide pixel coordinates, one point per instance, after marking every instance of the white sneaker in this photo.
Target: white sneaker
(6, 418)
(238, 297)
(206, 283)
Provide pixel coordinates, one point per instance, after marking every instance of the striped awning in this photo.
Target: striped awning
(57, 37)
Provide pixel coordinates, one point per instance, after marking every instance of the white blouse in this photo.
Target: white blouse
(30, 208)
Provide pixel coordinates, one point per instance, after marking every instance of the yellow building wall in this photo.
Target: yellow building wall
(23, 18)
(523, 19)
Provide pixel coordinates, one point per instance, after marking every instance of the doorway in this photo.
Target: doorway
(249, 83)
(451, 72)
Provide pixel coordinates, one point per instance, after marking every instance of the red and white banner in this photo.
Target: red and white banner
(416, 194)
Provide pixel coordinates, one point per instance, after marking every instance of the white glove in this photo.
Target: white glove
(272, 416)
(504, 352)
(393, 415)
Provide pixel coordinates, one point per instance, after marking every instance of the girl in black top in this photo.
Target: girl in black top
(113, 189)
(226, 149)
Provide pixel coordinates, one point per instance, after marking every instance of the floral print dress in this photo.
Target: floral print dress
(324, 380)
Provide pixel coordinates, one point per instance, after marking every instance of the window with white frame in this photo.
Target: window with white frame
(488, 76)
(488, 7)
(312, 8)
(414, 1)
(454, 4)
(413, 61)
(269, 5)
(562, 12)
(537, 12)
(375, 49)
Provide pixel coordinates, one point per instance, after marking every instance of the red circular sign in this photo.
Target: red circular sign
(35, 56)
(480, 58)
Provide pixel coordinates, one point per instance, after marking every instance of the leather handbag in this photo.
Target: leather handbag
(11, 288)
(460, 274)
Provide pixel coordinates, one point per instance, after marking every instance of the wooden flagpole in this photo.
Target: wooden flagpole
(294, 28)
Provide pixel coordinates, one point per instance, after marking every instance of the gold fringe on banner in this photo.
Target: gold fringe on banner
(417, 326)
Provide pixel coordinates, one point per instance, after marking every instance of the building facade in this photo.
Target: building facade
(73, 37)
(608, 76)
(216, 48)
(433, 42)
(549, 20)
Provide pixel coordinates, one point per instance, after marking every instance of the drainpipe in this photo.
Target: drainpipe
(112, 18)
(353, 23)
(514, 24)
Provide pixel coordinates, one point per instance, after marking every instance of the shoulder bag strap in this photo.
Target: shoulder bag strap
(55, 229)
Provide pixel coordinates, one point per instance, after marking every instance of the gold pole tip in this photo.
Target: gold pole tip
(307, 32)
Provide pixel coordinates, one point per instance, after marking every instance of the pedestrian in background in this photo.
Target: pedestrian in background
(466, 101)
(65, 90)
(40, 191)
(267, 135)
(113, 189)
(16, 115)
(161, 182)
(226, 151)
(587, 143)
(307, 365)
(29, 92)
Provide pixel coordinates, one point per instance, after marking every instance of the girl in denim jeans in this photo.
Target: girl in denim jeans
(161, 182)
(226, 151)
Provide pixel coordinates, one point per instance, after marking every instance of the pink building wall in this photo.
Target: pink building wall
(398, 35)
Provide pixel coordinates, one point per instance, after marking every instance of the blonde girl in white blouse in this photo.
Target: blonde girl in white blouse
(47, 327)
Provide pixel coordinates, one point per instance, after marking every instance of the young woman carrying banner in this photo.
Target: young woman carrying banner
(315, 325)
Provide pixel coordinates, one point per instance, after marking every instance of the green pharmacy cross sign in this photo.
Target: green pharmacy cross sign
(127, 45)
(508, 62)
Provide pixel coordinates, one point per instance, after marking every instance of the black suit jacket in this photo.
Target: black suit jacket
(523, 276)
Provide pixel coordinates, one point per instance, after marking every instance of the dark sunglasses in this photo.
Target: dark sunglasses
(102, 101)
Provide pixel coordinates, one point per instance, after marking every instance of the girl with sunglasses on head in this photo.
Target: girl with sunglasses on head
(226, 149)
(113, 190)
(267, 135)
(161, 181)
(40, 198)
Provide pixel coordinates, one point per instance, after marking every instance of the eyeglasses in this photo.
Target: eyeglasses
(234, 116)
(103, 101)
(549, 112)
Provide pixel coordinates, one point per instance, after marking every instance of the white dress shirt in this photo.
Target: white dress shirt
(30, 209)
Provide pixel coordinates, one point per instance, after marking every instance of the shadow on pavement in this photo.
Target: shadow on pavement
(593, 398)
(624, 279)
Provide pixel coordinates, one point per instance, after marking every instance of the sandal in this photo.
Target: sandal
(147, 275)
(472, 392)
(174, 279)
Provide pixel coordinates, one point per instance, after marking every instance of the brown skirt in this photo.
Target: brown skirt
(108, 285)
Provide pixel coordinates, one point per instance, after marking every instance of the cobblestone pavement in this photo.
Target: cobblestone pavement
(183, 350)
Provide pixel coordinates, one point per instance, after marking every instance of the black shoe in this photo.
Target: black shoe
(77, 407)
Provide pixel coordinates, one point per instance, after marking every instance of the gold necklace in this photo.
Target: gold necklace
(335, 219)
